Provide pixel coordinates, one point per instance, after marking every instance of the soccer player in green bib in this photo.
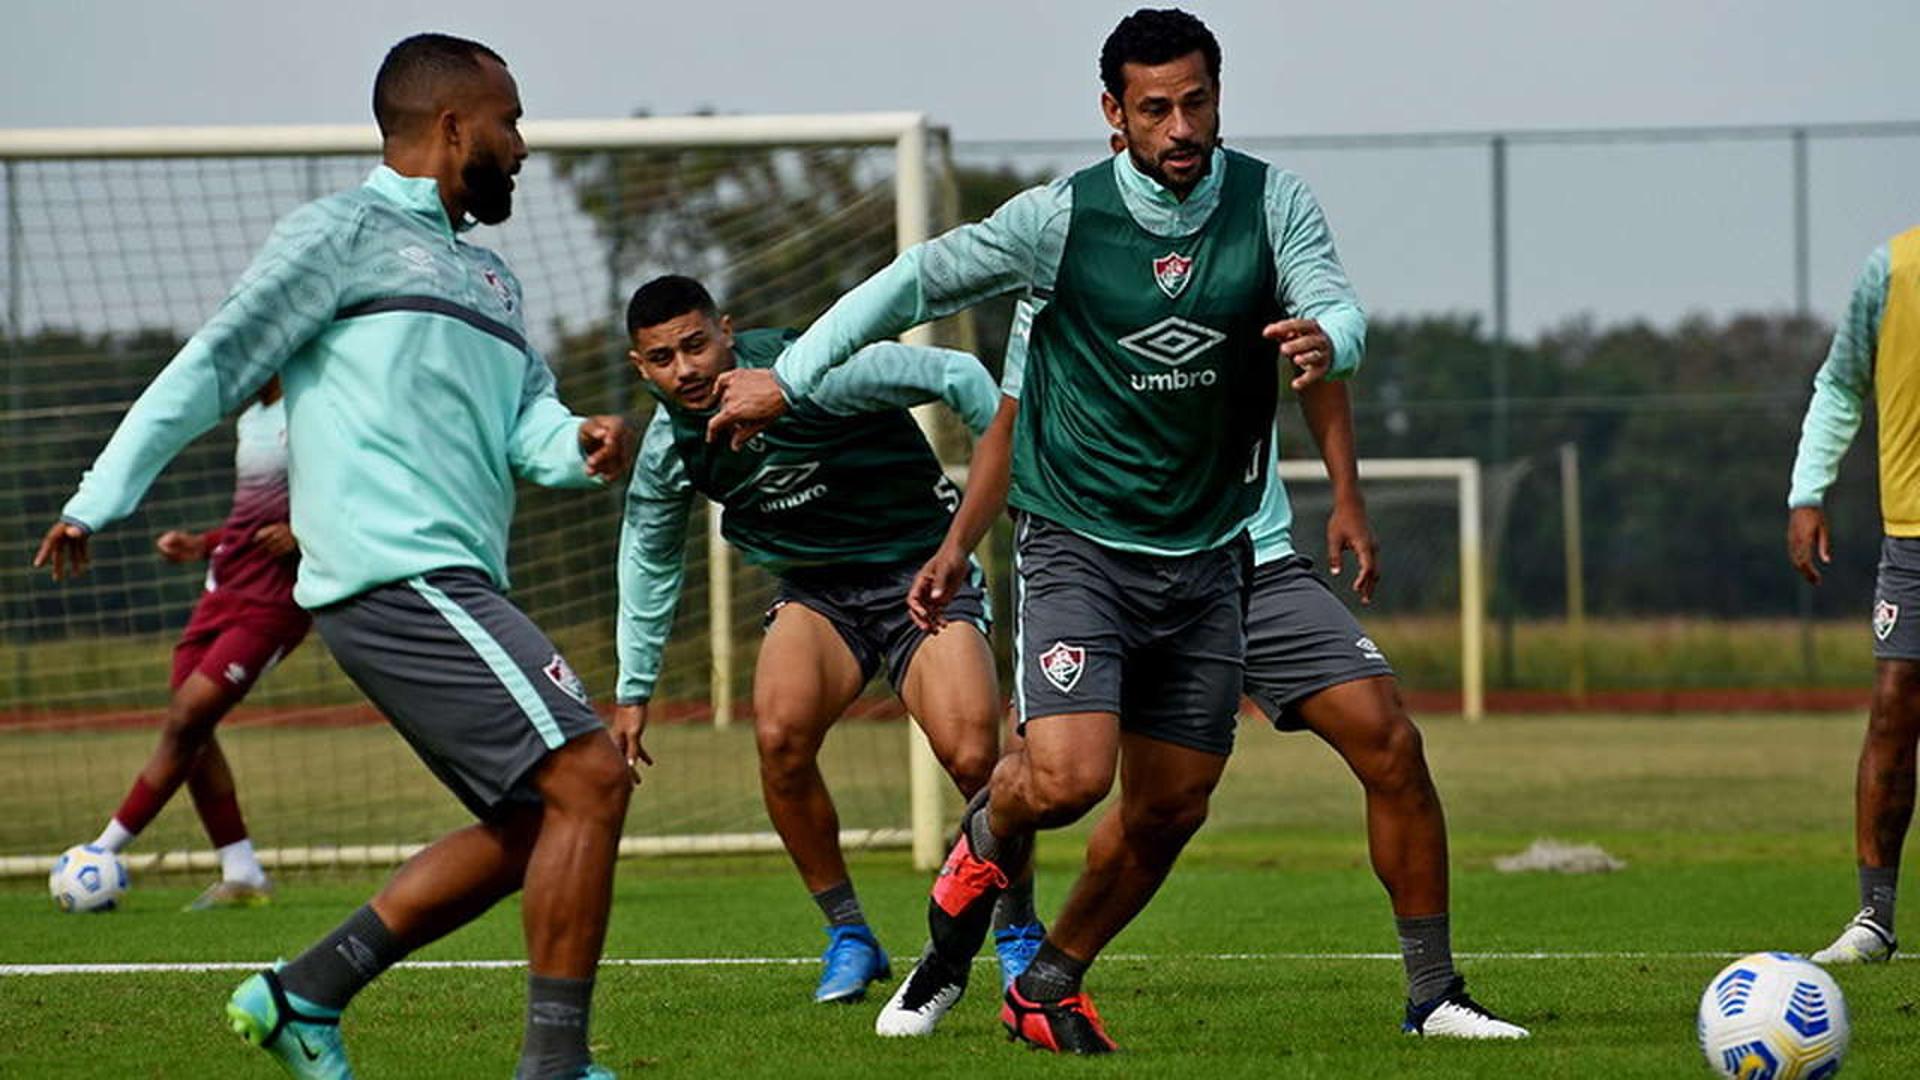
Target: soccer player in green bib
(413, 402)
(1160, 281)
(842, 500)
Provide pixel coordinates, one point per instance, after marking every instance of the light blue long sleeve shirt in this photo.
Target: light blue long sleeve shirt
(412, 396)
(1842, 386)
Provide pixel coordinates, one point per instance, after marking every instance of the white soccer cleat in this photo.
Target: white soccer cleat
(1455, 1015)
(924, 997)
(1862, 942)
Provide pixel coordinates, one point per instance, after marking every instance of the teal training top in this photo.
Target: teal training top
(1842, 385)
(845, 477)
(412, 396)
(1020, 248)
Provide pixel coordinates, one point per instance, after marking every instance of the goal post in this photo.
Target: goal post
(1463, 476)
(88, 230)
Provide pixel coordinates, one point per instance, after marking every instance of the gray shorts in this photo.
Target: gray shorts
(1300, 640)
(1156, 640)
(467, 679)
(867, 604)
(1896, 600)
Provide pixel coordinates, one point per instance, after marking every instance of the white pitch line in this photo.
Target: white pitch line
(796, 961)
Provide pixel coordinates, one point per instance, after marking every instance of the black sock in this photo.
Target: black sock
(1052, 975)
(1877, 884)
(980, 834)
(556, 1039)
(1426, 947)
(839, 904)
(1015, 906)
(340, 964)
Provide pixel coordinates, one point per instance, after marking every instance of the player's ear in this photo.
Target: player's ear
(1110, 108)
(726, 330)
(633, 357)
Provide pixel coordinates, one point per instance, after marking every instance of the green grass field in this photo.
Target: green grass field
(1736, 832)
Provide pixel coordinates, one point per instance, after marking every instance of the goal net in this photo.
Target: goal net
(117, 245)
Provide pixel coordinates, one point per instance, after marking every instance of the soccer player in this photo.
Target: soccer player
(1310, 667)
(1875, 352)
(842, 499)
(1160, 281)
(242, 625)
(413, 401)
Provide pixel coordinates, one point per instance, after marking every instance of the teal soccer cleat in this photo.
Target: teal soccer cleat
(302, 1036)
(1015, 946)
(853, 959)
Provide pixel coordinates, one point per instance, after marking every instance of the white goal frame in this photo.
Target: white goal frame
(1464, 473)
(907, 132)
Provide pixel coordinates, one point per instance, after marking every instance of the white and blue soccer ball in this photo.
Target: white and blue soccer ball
(1773, 1016)
(87, 878)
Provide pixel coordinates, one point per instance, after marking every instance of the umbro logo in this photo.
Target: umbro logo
(236, 674)
(780, 479)
(1172, 341)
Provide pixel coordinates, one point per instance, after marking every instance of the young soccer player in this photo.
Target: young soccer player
(842, 499)
(1161, 280)
(242, 625)
(413, 402)
(1875, 353)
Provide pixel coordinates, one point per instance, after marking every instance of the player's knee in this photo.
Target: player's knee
(1171, 818)
(1065, 792)
(188, 729)
(1394, 760)
(1896, 701)
(787, 750)
(970, 765)
(586, 778)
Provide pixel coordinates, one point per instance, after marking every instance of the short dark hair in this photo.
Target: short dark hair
(1155, 36)
(409, 86)
(667, 297)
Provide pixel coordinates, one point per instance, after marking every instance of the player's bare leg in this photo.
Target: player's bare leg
(806, 677)
(584, 787)
(951, 689)
(1366, 723)
(1883, 811)
(187, 753)
(1063, 768)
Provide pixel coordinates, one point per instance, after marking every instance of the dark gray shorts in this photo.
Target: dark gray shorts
(1156, 640)
(867, 604)
(1896, 600)
(467, 679)
(1300, 640)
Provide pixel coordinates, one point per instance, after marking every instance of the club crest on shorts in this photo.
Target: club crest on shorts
(1884, 616)
(1062, 665)
(563, 677)
(1171, 272)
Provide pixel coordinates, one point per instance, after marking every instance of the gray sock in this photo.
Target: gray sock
(980, 836)
(556, 1039)
(340, 964)
(839, 904)
(1426, 946)
(1877, 884)
(1052, 975)
(1015, 906)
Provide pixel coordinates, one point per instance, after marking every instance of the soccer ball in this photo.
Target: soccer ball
(87, 878)
(1773, 1016)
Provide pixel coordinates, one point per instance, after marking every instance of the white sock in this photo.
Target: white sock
(116, 837)
(237, 863)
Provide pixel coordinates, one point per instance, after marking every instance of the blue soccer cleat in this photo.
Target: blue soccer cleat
(853, 959)
(1015, 946)
(589, 1071)
(302, 1036)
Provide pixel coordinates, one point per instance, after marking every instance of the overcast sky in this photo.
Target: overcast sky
(993, 69)
(1660, 231)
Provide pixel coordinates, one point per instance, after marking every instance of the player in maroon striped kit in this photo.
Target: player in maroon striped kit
(243, 624)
